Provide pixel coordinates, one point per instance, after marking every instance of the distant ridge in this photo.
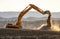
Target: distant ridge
(10, 14)
(26, 19)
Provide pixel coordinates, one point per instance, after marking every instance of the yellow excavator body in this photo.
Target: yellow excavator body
(18, 24)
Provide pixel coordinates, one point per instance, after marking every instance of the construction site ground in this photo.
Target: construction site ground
(28, 34)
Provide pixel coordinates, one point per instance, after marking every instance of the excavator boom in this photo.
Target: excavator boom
(26, 10)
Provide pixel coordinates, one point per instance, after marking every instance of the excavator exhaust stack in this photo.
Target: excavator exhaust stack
(19, 22)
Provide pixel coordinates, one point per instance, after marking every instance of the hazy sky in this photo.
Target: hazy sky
(19, 5)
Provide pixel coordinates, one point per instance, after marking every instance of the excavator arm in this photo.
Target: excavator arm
(26, 10)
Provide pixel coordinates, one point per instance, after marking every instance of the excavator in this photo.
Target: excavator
(18, 24)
